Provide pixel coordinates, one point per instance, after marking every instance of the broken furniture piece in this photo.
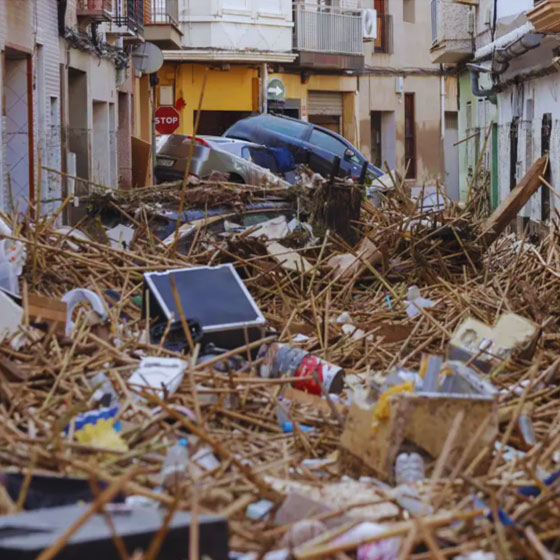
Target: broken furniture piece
(214, 296)
(376, 428)
(486, 347)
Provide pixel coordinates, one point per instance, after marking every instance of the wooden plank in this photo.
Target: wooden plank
(509, 208)
(11, 370)
(52, 311)
(423, 419)
(141, 161)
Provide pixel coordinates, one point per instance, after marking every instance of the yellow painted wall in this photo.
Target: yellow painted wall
(232, 90)
(317, 82)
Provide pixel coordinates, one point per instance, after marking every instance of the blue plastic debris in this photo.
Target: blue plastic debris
(531, 491)
(288, 427)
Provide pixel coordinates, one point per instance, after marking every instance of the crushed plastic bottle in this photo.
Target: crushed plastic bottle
(283, 418)
(415, 302)
(104, 391)
(174, 468)
(409, 468)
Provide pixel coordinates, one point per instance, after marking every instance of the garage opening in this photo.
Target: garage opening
(287, 107)
(215, 123)
(326, 109)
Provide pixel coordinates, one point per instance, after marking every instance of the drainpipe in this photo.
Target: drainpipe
(477, 91)
(442, 92)
(264, 85)
(504, 41)
(502, 51)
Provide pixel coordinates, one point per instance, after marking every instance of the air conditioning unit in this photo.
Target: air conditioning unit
(369, 22)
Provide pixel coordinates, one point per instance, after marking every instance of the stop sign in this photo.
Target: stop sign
(167, 120)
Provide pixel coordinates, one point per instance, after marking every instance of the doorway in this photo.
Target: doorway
(78, 141)
(18, 110)
(383, 139)
(124, 141)
(215, 123)
(100, 144)
(451, 154)
(410, 135)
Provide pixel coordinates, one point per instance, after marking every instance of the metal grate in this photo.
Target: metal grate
(165, 11)
(327, 29)
(130, 13)
(94, 8)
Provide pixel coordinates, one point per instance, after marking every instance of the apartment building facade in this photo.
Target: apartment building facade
(408, 104)
(298, 58)
(508, 90)
(314, 60)
(71, 96)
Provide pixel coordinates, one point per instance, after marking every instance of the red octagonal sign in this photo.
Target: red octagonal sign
(167, 120)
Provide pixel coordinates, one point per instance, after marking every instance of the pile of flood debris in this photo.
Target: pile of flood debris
(229, 352)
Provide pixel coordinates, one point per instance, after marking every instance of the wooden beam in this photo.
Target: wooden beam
(509, 208)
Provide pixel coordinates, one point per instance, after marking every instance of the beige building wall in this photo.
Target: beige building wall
(30, 104)
(407, 68)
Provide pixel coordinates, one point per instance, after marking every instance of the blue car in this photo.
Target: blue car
(310, 144)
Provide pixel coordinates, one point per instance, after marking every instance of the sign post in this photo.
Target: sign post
(276, 90)
(166, 119)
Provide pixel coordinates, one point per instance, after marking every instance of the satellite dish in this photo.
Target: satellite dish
(147, 58)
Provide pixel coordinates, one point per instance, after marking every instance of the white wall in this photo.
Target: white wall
(47, 101)
(101, 88)
(512, 7)
(545, 96)
(261, 25)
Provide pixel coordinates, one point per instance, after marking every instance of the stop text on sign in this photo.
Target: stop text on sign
(166, 120)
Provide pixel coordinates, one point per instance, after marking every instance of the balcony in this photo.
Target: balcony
(453, 27)
(327, 37)
(94, 10)
(545, 16)
(128, 20)
(236, 30)
(163, 28)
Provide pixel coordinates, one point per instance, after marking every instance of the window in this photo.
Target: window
(384, 42)
(327, 142)
(469, 115)
(166, 95)
(409, 11)
(285, 126)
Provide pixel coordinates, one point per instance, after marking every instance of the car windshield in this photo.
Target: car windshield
(334, 145)
(287, 127)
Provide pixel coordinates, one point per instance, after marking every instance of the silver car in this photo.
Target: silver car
(242, 162)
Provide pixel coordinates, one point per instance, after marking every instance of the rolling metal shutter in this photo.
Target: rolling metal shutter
(325, 103)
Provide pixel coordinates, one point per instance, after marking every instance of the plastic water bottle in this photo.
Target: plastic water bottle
(174, 468)
(104, 391)
(409, 468)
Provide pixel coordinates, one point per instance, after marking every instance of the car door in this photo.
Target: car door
(323, 149)
(278, 132)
